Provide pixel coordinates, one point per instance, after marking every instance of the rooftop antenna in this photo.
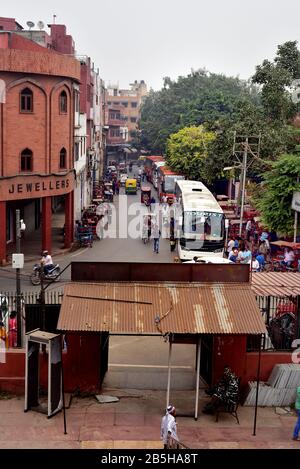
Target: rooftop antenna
(54, 18)
(30, 25)
(40, 25)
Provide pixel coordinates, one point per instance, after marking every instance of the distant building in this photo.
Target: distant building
(123, 112)
(9, 24)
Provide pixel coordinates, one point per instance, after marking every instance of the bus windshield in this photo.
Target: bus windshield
(206, 226)
(170, 181)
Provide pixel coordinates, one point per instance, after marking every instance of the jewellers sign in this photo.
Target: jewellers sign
(296, 201)
(35, 186)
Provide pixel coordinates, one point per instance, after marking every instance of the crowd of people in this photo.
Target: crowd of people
(257, 250)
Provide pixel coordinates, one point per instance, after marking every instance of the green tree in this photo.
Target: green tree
(199, 98)
(276, 78)
(188, 150)
(275, 200)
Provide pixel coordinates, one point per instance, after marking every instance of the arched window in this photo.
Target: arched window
(63, 158)
(26, 100)
(26, 160)
(63, 103)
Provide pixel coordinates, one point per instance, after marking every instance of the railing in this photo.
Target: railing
(32, 297)
(32, 315)
(175, 444)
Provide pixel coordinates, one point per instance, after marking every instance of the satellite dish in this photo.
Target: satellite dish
(40, 25)
(30, 24)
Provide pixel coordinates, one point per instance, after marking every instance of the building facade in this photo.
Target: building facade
(123, 111)
(67, 139)
(37, 137)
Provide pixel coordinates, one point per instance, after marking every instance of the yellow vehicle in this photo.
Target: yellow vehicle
(130, 186)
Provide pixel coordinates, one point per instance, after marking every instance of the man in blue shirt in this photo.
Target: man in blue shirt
(261, 260)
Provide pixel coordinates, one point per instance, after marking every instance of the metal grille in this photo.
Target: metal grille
(282, 319)
(31, 314)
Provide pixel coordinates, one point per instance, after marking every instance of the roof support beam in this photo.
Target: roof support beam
(197, 377)
(169, 371)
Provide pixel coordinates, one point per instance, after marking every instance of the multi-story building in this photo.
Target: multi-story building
(85, 110)
(36, 139)
(123, 109)
(53, 106)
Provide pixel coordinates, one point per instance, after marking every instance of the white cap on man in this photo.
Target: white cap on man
(170, 409)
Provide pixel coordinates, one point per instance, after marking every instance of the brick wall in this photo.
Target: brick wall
(46, 63)
(44, 132)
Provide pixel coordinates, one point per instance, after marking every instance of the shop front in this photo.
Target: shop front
(36, 197)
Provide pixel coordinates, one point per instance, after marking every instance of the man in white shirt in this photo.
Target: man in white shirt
(169, 426)
(255, 265)
(230, 245)
(46, 261)
(248, 229)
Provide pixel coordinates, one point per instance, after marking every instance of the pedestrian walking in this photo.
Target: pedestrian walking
(169, 427)
(156, 236)
(297, 409)
(248, 229)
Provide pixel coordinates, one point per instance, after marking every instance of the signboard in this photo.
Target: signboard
(296, 201)
(31, 186)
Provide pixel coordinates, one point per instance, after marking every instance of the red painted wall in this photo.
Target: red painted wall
(8, 24)
(230, 351)
(82, 363)
(61, 41)
(81, 366)
(4, 41)
(268, 360)
(19, 42)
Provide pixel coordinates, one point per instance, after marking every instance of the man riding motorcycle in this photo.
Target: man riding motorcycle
(46, 267)
(46, 262)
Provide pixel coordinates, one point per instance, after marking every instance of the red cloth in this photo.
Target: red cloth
(12, 337)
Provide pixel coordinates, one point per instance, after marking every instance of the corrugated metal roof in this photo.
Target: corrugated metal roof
(276, 283)
(184, 308)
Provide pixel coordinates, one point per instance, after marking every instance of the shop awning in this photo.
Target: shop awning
(159, 308)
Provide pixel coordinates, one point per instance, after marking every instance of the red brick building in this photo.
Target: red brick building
(36, 136)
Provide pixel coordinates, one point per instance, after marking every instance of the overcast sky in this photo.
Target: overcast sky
(150, 39)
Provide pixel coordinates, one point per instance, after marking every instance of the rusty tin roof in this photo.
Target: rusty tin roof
(147, 308)
(276, 283)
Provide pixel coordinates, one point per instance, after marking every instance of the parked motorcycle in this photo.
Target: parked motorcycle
(52, 275)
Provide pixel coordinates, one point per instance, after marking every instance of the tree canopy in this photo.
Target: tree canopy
(205, 104)
(275, 197)
(201, 97)
(276, 79)
(188, 150)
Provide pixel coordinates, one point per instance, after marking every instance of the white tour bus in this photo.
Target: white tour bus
(201, 223)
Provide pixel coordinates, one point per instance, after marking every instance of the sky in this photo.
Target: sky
(150, 39)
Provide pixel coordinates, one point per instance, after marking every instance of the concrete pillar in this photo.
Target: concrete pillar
(69, 219)
(47, 223)
(3, 233)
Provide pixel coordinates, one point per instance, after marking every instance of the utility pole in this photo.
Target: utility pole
(42, 299)
(296, 219)
(244, 171)
(244, 144)
(18, 281)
